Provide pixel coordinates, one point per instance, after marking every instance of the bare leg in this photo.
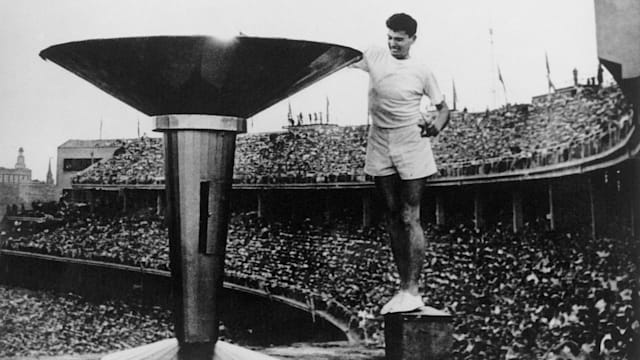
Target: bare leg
(402, 199)
(389, 187)
(411, 236)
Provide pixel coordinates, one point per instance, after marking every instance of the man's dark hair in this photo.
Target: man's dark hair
(402, 22)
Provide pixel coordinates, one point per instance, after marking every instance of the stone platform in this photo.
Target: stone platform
(425, 334)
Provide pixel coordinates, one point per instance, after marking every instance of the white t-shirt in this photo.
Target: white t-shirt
(396, 87)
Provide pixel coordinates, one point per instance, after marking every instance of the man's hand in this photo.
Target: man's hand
(431, 127)
(428, 127)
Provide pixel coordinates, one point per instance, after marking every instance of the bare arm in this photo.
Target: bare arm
(443, 116)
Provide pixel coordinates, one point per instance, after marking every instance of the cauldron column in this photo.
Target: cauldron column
(199, 156)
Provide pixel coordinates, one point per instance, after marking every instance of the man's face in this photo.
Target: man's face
(399, 43)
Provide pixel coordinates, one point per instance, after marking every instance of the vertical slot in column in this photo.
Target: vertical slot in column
(204, 216)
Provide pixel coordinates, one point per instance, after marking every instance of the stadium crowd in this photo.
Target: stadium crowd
(36, 323)
(514, 296)
(137, 161)
(138, 239)
(315, 154)
(564, 127)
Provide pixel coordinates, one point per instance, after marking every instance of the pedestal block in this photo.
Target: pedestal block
(425, 334)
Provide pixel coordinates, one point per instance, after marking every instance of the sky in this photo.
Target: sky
(43, 105)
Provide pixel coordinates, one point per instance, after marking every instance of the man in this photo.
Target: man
(399, 151)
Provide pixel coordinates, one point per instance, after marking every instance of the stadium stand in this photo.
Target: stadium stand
(139, 239)
(514, 295)
(137, 161)
(563, 128)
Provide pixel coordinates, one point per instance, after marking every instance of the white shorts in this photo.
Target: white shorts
(399, 150)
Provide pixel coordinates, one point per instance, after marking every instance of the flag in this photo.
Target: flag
(455, 94)
(138, 127)
(549, 83)
(546, 60)
(327, 112)
(504, 87)
(100, 137)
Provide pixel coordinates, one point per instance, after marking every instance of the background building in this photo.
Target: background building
(19, 174)
(18, 189)
(77, 155)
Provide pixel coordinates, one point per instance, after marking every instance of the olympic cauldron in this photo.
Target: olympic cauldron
(201, 90)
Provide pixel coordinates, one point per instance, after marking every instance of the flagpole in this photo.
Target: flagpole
(546, 60)
(327, 110)
(492, 67)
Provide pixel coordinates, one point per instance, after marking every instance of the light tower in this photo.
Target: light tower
(201, 90)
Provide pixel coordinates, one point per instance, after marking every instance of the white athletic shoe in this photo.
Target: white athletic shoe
(403, 301)
(430, 311)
